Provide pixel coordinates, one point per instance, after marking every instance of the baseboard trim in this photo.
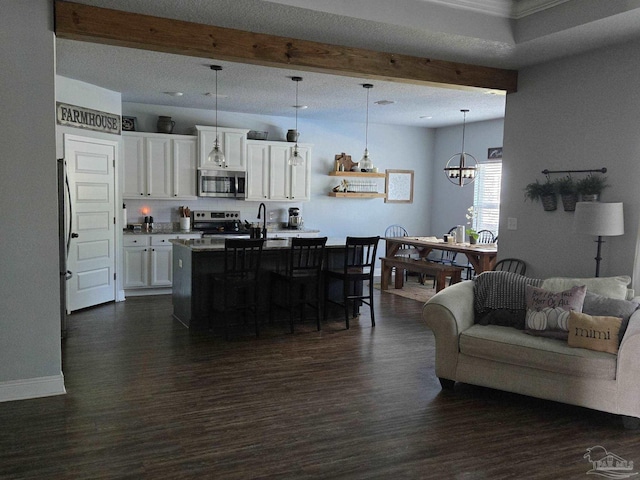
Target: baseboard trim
(26, 388)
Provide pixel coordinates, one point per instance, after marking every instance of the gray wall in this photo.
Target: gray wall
(30, 311)
(578, 113)
(450, 202)
(391, 147)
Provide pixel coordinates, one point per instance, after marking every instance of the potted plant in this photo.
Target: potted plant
(470, 216)
(591, 186)
(545, 192)
(568, 191)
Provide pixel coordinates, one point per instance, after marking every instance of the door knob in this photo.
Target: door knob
(74, 235)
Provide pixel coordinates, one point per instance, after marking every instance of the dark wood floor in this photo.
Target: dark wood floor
(147, 399)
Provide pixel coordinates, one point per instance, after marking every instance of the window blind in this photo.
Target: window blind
(486, 196)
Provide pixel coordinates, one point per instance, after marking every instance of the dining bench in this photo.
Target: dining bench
(438, 270)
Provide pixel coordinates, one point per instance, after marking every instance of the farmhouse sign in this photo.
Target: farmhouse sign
(80, 117)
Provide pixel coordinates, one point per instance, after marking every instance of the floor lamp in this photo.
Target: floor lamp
(601, 219)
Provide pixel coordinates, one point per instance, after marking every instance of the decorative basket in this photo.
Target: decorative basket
(256, 135)
(549, 202)
(569, 201)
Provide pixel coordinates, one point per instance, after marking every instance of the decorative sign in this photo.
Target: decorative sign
(494, 153)
(399, 186)
(80, 117)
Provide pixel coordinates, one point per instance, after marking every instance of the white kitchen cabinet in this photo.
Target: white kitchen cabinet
(232, 143)
(148, 261)
(269, 175)
(159, 166)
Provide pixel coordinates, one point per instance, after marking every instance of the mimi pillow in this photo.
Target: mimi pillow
(594, 332)
(548, 312)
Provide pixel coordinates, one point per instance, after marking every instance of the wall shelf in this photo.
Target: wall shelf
(357, 174)
(356, 195)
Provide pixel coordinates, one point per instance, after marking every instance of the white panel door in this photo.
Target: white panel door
(184, 168)
(90, 165)
(257, 171)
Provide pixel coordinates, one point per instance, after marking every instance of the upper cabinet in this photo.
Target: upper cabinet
(269, 175)
(232, 142)
(159, 166)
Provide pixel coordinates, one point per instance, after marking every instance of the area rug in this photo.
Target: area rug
(412, 289)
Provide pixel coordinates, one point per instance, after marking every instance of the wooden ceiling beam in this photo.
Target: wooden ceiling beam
(114, 27)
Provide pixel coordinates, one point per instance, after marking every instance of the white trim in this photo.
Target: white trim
(523, 8)
(514, 9)
(32, 388)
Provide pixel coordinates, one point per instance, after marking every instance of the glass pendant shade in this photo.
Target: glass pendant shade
(296, 159)
(216, 155)
(461, 168)
(365, 161)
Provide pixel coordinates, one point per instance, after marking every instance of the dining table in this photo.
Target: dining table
(481, 256)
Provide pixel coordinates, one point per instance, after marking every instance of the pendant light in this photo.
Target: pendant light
(461, 169)
(296, 159)
(366, 165)
(216, 155)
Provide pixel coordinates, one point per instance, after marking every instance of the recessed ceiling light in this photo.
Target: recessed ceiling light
(495, 92)
(174, 94)
(209, 94)
(426, 117)
(301, 107)
(385, 102)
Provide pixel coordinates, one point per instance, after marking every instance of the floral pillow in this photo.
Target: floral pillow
(548, 312)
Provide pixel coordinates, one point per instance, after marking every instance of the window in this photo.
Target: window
(486, 196)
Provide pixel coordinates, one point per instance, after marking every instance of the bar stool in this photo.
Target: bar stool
(238, 284)
(359, 262)
(301, 279)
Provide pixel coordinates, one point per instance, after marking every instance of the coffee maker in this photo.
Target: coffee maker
(295, 220)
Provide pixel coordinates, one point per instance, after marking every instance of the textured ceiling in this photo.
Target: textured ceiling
(512, 35)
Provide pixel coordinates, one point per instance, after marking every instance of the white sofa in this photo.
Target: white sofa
(509, 359)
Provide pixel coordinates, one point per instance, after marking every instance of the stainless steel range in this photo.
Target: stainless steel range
(220, 224)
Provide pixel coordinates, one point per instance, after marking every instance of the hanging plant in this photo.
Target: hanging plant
(544, 192)
(591, 186)
(568, 191)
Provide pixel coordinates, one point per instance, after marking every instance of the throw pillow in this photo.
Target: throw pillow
(549, 311)
(594, 332)
(603, 306)
(612, 287)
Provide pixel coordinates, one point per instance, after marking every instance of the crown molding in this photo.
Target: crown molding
(513, 9)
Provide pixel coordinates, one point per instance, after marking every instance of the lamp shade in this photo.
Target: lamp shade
(599, 219)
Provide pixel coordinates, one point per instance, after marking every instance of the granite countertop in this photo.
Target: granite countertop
(162, 231)
(217, 244)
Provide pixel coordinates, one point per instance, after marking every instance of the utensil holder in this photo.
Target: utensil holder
(185, 224)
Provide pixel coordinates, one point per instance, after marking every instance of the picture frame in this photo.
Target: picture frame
(399, 186)
(494, 153)
(129, 124)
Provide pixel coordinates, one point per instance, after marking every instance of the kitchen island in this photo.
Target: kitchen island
(195, 261)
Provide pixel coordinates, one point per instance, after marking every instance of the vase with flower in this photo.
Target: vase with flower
(471, 231)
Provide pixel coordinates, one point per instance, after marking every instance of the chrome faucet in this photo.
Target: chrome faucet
(263, 207)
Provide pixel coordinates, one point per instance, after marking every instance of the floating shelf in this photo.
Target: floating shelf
(356, 195)
(357, 174)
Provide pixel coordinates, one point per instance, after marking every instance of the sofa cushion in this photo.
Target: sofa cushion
(594, 332)
(549, 312)
(511, 346)
(603, 306)
(612, 287)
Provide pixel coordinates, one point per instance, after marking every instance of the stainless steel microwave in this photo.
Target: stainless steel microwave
(222, 183)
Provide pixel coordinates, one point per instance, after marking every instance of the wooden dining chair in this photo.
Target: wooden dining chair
(300, 283)
(235, 290)
(514, 265)
(486, 236)
(358, 267)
